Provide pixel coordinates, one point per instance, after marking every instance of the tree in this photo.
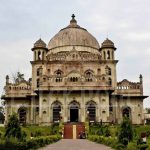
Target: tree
(126, 131)
(17, 77)
(13, 128)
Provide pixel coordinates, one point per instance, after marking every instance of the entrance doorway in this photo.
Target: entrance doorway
(74, 111)
(74, 114)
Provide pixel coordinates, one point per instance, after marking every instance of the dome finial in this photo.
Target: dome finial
(73, 16)
(73, 21)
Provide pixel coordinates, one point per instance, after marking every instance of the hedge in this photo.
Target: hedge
(29, 144)
(109, 141)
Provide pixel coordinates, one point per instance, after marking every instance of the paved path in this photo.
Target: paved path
(67, 144)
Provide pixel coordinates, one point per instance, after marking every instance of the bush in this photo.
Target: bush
(126, 132)
(132, 146)
(34, 143)
(109, 141)
(13, 128)
(100, 130)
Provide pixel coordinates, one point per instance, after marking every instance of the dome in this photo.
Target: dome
(73, 35)
(108, 44)
(40, 44)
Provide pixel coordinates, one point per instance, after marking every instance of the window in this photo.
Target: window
(109, 81)
(108, 70)
(108, 54)
(38, 83)
(88, 76)
(56, 111)
(59, 75)
(74, 79)
(91, 110)
(22, 115)
(39, 71)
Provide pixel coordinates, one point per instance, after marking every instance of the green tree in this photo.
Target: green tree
(126, 131)
(13, 129)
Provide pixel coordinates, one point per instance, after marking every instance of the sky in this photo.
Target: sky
(126, 23)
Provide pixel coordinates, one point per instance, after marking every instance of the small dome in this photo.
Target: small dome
(40, 44)
(73, 35)
(108, 44)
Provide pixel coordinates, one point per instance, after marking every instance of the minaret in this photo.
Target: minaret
(141, 84)
(107, 50)
(7, 79)
(39, 50)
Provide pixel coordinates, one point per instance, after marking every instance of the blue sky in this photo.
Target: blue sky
(126, 23)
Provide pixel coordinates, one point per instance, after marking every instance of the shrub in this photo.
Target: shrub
(103, 140)
(13, 128)
(132, 146)
(126, 131)
(34, 143)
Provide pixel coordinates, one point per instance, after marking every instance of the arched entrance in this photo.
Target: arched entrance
(22, 115)
(91, 111)
(74, 111)
(126, 112)
(56, 107)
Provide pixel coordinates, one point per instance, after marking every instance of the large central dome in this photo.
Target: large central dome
(73, 35)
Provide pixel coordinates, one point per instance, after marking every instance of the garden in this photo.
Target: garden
(15, 137)
(121, 137)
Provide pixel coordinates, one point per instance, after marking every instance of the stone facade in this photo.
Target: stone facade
(74, 78)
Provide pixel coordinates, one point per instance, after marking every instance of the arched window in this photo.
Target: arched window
(74, 79)
(74, 111)
(39, 71)
(108, 54)
(89, 76)
(91, 110)
(109, 81)
(22, 115)
(39, 55)
(56, 111)
(108, 70)
(59, 76)
(126, 112)
(37, 83)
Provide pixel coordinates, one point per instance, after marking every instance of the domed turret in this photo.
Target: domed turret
(40, 50)
(107, 50)
(40, 44)
(108, 44)
(73, 35)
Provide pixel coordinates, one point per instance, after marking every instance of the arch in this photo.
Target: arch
(126, 111)
(56, 108)
(74, 111)
(89, 75)
(39, 55)
(39, 71)
(108, 54)
(74, 104)
(37, 83)
(108, 70)
(109, 81)
(22, 111)
(58, 75)
(91, 110)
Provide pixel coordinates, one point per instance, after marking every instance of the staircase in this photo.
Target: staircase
(72, 130)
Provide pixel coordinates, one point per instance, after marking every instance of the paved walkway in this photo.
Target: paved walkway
(67, 144)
